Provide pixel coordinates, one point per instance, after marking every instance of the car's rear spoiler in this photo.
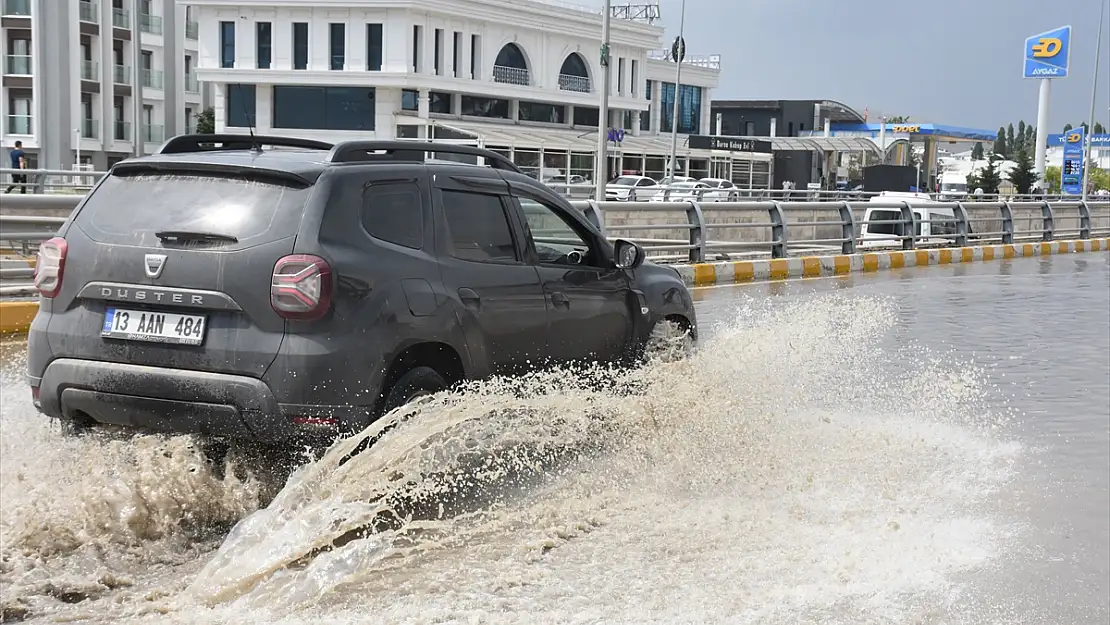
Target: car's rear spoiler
(167, 167)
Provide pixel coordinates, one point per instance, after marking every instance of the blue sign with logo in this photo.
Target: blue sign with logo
(1047, 54)
(1071, 174)
(616, 135)
(1098, 141)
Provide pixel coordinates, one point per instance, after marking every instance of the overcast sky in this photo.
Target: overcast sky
(955, 62)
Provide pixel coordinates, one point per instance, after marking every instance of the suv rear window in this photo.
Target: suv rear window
(884, 215)
(130, 208)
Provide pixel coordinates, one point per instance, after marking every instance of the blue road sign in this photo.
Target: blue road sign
(1048, 54)
(1071, 174)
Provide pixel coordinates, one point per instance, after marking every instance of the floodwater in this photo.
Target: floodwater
(923, 446)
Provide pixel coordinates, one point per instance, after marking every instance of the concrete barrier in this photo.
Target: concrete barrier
(730, 272)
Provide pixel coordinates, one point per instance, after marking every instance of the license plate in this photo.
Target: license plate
(153, 326)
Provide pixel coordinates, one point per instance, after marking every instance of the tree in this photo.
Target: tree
(1021, 144)
(1099, 129)
(898, 119)
(1000, 141)
(1011, 144)
(1052, 180)
(1068, 128)
(206, 121)
(988, 178)
(977, 152)
(1030, 138)
(1023, 176)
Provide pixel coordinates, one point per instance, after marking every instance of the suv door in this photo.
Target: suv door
(588, 298)
(501, 302)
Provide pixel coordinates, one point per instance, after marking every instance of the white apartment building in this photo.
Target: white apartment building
(95, 81)
(517, 76)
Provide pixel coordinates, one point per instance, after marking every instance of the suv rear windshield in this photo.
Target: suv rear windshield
(131, 208)
(884, 215)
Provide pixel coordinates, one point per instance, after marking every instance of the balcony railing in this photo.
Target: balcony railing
(122, 131)
(121, 18)
(150, 23)
(19, 125)
(90, 70)
(568, 82)
(152, 133)
(511, 75)
(17, 7)
(192, 30)
(121, 75)
(18, 65)
(88, 11)
(90, 129)
(192, 85)
(152, 78)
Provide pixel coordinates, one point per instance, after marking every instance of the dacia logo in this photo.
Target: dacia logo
(1074, 137)
(1047, 48)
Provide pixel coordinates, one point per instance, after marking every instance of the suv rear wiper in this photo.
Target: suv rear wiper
(184, 235)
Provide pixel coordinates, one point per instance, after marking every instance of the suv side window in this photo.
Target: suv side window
(393, 212)
(478, 227)
(554, 237)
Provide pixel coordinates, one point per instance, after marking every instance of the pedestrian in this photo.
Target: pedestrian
(19, 161)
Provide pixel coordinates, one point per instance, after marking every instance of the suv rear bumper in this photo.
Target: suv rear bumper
(180, 400)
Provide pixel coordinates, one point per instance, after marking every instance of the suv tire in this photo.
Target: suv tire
(418, 382)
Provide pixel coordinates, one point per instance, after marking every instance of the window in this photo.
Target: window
(475, 56)
(393, 212)
(438, 58)
(884, 215)
(553, 237)
(241, 105)
(338, 44)
(456, 56)
(146, 59)
(440, 102)
(410, 100)
(300, 45)
(485, 107)
(324, 108)
(645, 116)
(227, 44)
(479, 227)
(264, 43)
(635, 76)
(586, 116)
(620, 76)
(374, 47)
(542, 112)
(417, 43)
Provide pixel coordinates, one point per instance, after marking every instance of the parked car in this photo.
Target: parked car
(723, 190)
(682, 192)
(631, 189)
(228, 290)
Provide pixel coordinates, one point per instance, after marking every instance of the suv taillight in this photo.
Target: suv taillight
(50, 266)
(301, 287)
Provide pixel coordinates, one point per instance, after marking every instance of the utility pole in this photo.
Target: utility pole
(601, 161)
(1094, 96)
(678, 51)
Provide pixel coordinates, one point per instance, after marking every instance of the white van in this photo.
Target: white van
(934, 222)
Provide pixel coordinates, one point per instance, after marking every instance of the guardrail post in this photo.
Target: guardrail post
(1049, 230)
(595, 216)
(697, 232)
(909, 218)
(847, 229)
(778, 230)
(962, 224)
(1084, 221)
(1007, 224)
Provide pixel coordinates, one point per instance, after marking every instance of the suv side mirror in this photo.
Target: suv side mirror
(628, 255)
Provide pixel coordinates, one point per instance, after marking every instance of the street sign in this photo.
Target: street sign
(1071, 174)
(728, 144)
(678, 49)
(616, 135)
(1048, 54)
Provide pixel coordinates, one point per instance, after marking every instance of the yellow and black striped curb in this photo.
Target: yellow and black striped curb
(739, 271)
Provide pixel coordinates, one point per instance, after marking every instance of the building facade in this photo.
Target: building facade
(96, 81)
(520, 77)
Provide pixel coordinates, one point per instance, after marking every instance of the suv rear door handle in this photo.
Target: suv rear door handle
(560, 299)
(470, 299)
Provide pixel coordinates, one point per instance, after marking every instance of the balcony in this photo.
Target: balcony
(121, 75)
(151, 78)
(121, 18)
(17, 8)
(18, 65)
(511, 75)
(568, 82)
(90, 70)
(122, 131)
(150, 23)
(88, 11)
(192, 85)
(152, 133)
(90, 129)
(192, 30)
(19, 125)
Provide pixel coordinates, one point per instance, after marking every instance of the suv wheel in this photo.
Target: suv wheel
(418, 382)
(669, 342)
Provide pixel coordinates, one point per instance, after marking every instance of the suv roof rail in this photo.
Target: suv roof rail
(411, 151)
(207, 143)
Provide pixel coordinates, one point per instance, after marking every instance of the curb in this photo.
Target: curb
(15, 317)
(742, 271)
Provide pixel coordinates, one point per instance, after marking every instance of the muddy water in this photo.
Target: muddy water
(765, 479)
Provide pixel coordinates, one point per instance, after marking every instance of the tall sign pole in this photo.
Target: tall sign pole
(678, 52)
(1046, 58)
(601, 161)
(1094, 96)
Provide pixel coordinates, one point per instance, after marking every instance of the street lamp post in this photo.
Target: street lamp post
(679, 53)
(601, 160)
(1089, 152)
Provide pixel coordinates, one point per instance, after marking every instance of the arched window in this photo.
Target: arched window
(511, 66)
(574, 75)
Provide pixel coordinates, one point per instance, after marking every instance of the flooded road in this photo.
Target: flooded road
(923, 446)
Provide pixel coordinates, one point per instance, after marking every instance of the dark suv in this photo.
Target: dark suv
(224, 289)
